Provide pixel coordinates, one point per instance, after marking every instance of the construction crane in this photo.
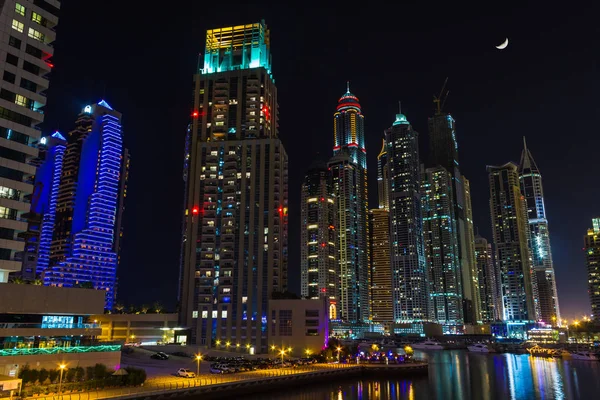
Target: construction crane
(440, 100)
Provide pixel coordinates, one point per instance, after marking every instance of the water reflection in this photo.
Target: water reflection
(462, 375)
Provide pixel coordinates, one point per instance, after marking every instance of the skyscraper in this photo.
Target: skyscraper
(511, 232)
(383, 178)
(382, 309)
(441, 249)
(349, 171)
(541, 253)
(235, 250)
(42, 214)
(488, 281)
(90, 198)
(444, 152)
(409, 274)
(592, 261)
(319, 278)
(26, 37)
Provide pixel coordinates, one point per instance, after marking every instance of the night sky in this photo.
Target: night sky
(545, 86)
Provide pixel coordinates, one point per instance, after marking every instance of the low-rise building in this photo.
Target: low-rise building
(145, 329)
(302, 325)
(45, 326)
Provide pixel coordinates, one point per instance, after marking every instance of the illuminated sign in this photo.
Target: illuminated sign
(43, 140)
(87, 109)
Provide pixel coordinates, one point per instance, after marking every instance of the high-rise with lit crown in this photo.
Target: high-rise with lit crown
(541, 253)
(89, 201)
(319, 277)
(592, 260)
(349, 171)
(26, 53)
(409, 275)
(511, 232)
(235, 230)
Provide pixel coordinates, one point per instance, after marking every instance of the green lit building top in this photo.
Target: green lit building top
(237, 47)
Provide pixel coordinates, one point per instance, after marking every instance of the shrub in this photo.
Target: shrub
(69, 376)
(100, 371)
(89, 373)
(34, 374)
(79, 374)
(135, 376)
(43, 375)
(24, 373)
(53, 375)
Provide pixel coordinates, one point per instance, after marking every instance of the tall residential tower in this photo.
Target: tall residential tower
(592, 261)
(28, 30)
(541, 253)
(319, 278)
(349, 171)
(511, 232)
(489, 290)
(409, 275)
(236, 210)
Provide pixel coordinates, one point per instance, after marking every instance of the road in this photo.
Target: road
(169, 382)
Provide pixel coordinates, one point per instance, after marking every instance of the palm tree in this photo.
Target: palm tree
(158, 308)
(144, 309)
(37, 282)
(18, 280)
(119, 307)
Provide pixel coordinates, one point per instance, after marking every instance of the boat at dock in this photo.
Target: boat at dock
(480, 348)
(428, 345)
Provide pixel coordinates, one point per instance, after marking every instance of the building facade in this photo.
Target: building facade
(592, 261)
(143, 329)
(382, 310)
(318, 236)
(43, 205)
(86, 233)
(443, 147)
(383, 178)
(43, 327)
(349, 173)
(235, 242)
(441, 249)
(543, 267)
(488, 281)
(300, 328)
(511, 233)
(410, 290)
(26, 53)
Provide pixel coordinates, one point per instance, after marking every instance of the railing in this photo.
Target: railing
(58, 350)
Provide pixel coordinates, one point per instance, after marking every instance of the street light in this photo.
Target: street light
(218, 342)
(62, 368)
(307, 352)
(227, 345)
(339, 349)
(198, 359)
(282, 352)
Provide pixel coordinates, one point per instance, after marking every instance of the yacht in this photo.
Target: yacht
(428, 345)
(480, 348)
(584, 355)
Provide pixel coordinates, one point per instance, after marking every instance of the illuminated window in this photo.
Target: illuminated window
(227, 290)
(194, 314)
(36, 35)
(19, 9)
(224, 314)
(17, 26)
(35, 17)
(21, 100)
(204, 314)
(214, 314)
(244, 299)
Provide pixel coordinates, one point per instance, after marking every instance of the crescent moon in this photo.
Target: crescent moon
(503, 45)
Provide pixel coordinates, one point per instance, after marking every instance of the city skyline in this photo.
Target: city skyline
(474, 165)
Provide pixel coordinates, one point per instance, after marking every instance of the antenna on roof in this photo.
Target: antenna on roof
(347, 86)
(399, 107)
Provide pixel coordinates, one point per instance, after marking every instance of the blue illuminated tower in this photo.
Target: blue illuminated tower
(541, 253)
(409, 276)
(89, 203)
(348, 167)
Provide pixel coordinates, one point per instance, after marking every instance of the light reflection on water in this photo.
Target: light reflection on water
(461, 375)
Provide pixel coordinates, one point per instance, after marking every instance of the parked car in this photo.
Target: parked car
(182, 354)
(185, 373)
(215, 370)
(159, 356)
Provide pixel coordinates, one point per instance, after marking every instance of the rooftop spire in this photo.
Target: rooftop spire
(527, 162)
(347, 86)
(399, 107)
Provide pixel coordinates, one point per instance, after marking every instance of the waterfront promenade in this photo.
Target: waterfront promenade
(246, 382)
